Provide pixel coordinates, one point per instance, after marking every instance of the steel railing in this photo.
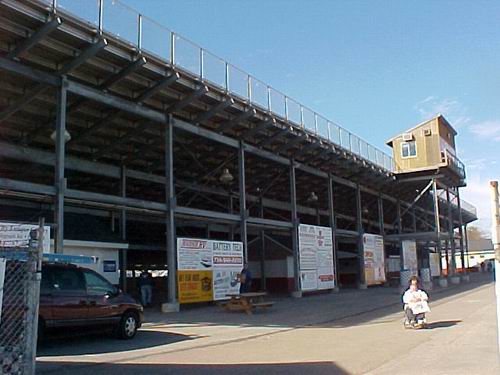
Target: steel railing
(466, 206)
(131, 27)
(455, 163)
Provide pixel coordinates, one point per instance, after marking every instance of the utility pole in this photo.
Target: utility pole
(495, 236)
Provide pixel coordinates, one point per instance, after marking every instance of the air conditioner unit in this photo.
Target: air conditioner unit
(427, 132)
(407, 137)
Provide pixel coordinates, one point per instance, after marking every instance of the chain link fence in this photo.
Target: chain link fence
(20, 266)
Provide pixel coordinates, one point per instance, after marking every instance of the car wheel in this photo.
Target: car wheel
(128, 326)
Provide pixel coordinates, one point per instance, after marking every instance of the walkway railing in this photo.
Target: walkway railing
(146, 34)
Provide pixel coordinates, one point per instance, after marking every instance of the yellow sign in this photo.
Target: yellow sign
(194, 286)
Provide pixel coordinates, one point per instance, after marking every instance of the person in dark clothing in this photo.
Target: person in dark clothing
(146, 287)
(245, 279)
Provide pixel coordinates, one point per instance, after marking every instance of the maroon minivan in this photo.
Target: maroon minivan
(72, 296)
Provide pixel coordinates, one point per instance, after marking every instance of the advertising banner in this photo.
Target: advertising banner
(227, 266)
(208, 270)
(14, 235)
(374, 259)
(3, 262)
(316, 257)
(194, 286)
(434, 264)
(410, 256)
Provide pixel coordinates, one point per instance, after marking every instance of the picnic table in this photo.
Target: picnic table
(247, 302)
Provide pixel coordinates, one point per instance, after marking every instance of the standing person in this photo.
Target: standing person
(146, 287)
(245, 279)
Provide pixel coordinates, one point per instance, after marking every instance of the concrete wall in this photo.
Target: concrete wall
(101, 251)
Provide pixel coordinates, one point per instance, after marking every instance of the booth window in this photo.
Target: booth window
(408, 149)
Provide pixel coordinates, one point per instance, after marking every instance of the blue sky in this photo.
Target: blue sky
(375, 67)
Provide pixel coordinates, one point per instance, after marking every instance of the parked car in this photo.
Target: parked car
(72, 296)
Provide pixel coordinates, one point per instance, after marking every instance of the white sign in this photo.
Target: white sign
(227, 265)
(434, 264)
(308, 280)
(223, 258)
(410, 256)
(14, 235)
(316, 257)
(194, 254)
(3, 262)
(374, 259)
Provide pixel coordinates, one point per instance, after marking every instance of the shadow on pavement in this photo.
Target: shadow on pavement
(100, 343)
(443, 324)
(345, 309)
(77, 368)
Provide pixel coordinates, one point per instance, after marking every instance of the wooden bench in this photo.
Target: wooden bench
(263, 304)
(247, 302)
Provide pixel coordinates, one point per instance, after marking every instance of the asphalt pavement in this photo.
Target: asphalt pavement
(351, 332)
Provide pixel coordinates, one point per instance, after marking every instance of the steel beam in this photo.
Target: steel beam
(359, 229)
(381, 225)
(170, 204)
(291, 143)
(451, 231)
(123, 73)
(333, 227)
(226, 103)
(274, 137)
(243, 200)
(115, 200)
(257, 221)
(26, 187)
(160, 85)
(34, 38)
(295, 228)
(31, 73)
(86, 54)
(461, 232)
(188, 99)
(271, 122)
(250, 112)
(123, 230)
(215, 215)
(60, 181)
(25, 100)
(399, 225)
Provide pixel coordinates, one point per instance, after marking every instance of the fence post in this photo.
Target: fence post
(33, 290)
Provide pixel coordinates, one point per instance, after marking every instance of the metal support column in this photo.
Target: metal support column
(331, 213)
(243, 204)
(172, 304)
(295, 230)
(461, 233)
(467, 244)
(451, 232)
(380, 204)
(231, 211)
(359, 229)
(262, 247)
(399, 227)
(60, 181)
(123, 230)
(437, 224)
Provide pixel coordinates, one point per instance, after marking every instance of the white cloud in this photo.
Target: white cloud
(452, 109)
(477, 192)
(487, 129)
